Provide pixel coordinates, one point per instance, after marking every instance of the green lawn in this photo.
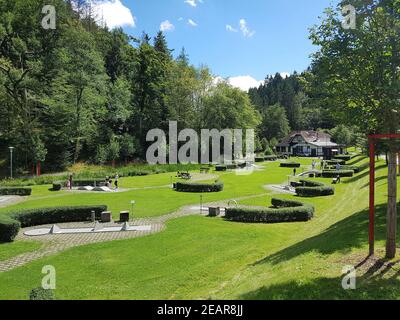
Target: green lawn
(199, 257)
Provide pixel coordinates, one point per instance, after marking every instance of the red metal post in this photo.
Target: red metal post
(372, 197)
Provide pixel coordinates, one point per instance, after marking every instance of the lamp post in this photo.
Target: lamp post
(133, 202)
(11, 161)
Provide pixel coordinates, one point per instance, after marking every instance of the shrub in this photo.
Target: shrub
(9, 228)
(290, 165)
(15, 191)
(270, 158)
(232, 166)
(57, 186)
(221, 168)
(335, 173)
(335, 162)
(41, 294)
(282, 211)
(259, 159)
(199, 187)
(314, 189)
(11, 222)
(345, 157)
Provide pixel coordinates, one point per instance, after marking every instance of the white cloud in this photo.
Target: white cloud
(193, 3)
(230, 28)
(244, 83)
(192, 23)
(167, 26)
(285, 74)
(245, 29)
(113, 13)
(180, 19)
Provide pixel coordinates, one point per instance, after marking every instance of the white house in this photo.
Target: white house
(309, 144)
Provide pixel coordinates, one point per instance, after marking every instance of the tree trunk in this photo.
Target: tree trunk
(392, 206)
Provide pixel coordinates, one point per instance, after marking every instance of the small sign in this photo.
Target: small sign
(133, 202)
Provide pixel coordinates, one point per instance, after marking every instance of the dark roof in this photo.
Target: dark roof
(312, 137)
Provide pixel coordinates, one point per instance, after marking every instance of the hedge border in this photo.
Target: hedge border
(11, 222)
(314, 189)
(282, 211)
(335, 173)
(290, 165)
(15, 191)
(199, 187)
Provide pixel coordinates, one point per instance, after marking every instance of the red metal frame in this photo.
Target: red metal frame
(372, 141)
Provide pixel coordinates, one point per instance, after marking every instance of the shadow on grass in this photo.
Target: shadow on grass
(356, 160)
(330, 288)
(346, 234)
(364, 174)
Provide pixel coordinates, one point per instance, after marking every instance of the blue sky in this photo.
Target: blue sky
(235, 38)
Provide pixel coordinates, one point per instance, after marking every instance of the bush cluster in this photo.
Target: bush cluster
(259, 159)
(199, 187)
(314, 189)
(335, 173)
(290, 165)
(11, 222)
(270, 158)
(15, 191)
(345, 157)
(281, 211)
(335, 162)
(221, 168)
(41, 294)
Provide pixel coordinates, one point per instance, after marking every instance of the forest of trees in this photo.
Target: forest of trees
(83, 92)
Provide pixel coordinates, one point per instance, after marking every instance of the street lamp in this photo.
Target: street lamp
(11, 161)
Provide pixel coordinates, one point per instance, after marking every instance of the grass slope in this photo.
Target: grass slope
(198, 257)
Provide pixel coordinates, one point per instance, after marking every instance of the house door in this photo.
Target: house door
(313, 153)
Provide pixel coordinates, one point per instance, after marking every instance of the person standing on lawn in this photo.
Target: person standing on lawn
(116, 181)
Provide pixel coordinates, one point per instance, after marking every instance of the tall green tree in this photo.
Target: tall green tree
(360, 70)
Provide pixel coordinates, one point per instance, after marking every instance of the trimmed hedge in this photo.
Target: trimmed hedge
(282, 211)
(314, 189)
(11, 222)
(221, 168)
(199, 187)
(270, 158)
(259, 159)
(335, 173)
(9, 228)
(41, 294)
(335, 162)
(15, 191)
(345, 157)
(290, 165)
(356, 169)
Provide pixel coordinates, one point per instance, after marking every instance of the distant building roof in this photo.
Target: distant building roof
(316, 138)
